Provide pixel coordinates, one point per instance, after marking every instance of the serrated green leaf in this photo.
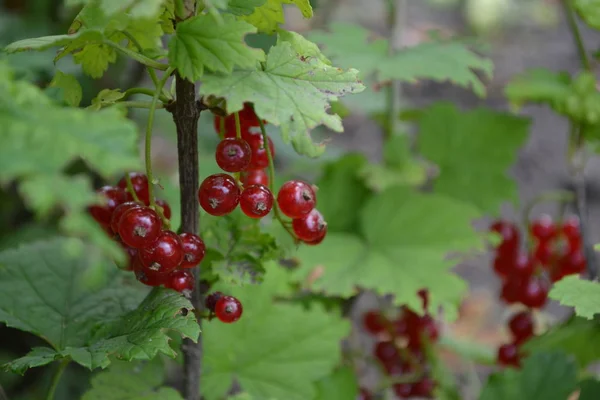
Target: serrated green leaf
(106, 97)
(341, 385)
(578, 337)
(43, 291)
(538, 86)
(201, 42)
(46, 42)
(544, 376)
(95, 58)
(244, 7)
(268, 16)
(131, 381)
(340, 180)
(289, 349)
(437, 60)
(134, 8)
(301, 45)
(44, 192)
(406, 239)
(589, 389)
(474, 151)
(589, 11)
(288, 92)
(70, 87)
(575, 292)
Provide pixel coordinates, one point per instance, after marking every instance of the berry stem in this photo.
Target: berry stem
(146, 91)
(130, 188)
(238, 126)
(559, 196)
(140, 104)
(574, 28)
(148, 148)
(136, 56)
(56, 378)
(276, 211)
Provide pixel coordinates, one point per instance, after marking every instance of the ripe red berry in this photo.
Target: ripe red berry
(181, 281)
(260, 158)
(228, 309)
(533, 293)
(374, 322)
(166, 209)
(521, 326)
(103, 213)
(508, 355)
(139, 227)
(386, 352)
(211, 300)
(310, 227)
(572, 263)
(400, 326)
(147, 276)
(233, 155)
(247, 117)
(510, 237)
(296, 199)
(318, 240)
(256, 201)
(522, 266)
(119, 211)
(403, 390)
(544, 253)
(364, 394)
(543, 228)
(423, 388)
(255, 177)
(193, 250)
(511, 290)
(571, 228)
(503, 265)
(164, 254)
(139, 182)
(219, 194)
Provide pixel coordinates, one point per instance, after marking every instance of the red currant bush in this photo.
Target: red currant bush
(139, 227)
(256, 201)
(219, 194)
(296, 199)
(228, 309)
(233, 155)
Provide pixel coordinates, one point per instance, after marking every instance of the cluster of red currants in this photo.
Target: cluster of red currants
(556, 252)
(247, 154)
(158, 257)
(227, 309)
(400, 348)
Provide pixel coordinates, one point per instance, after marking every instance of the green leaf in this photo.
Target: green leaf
(473, 150)
(538, 86)
(131, 381)
(95, 58)
(244, 7)
(134, 8)
(290, 348)
(341, 385)
(268, 16)
(201, 42)
(404, 245)
(44, 291)
(106, 97)
(340, 181)
(589, 11)
(575, 292)
(572, 337)
(544, 376)
(590, 389)
(436, 60)
(298, 93)
(46, 42)
(70, 87)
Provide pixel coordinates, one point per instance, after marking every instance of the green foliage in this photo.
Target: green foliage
(105, 98)
(590, 389)
(131, 381)
(268, 16)
(276, 350)
(544, 376)
(70, 87)
(473, 151)
(340, 385)
(589, 11)
(396, 252)
(44, 291)
(575, 292)
(298, 93)
(572, 337)
(203, 42)
(437, 60)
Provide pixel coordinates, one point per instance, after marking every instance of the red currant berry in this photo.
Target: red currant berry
(119, 211)
(219, 194)
(164, 254)
(139, 182)
(573, 263)
(228, 309)
(543, 228)
(533, 293)
(260, 158)
(510, 237)
(193, 250)
(364, 394)
(522, 266)
(508, 355)
(544, 253)
(386, 352)
(318, 240)
(521, 326)
(311, 227)
(403, 390)
(255, 177)
(147, 276)
(423, 388)
(233, 155)
(211, 300)
(256, 201)
(511, 290)
(296, 199)
(374, 322)
(131, 257)
(181, 281)
(503, 265)
(166, 209)
(139, 227)
(103, 213)
(400, 326)
(570, 228)
(247, 118)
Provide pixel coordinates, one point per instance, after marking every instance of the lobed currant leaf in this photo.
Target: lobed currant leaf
(298, 91)
(581, 294)
(70, 87)
(201, 42)
(268, 16)
(342, 384)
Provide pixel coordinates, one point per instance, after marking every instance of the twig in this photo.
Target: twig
(56, 378)
(396, 22)
(186, 114)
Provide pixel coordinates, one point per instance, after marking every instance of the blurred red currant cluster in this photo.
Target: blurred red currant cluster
(554, 251)
(400, 349)
(246, 153)
(158, 256)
